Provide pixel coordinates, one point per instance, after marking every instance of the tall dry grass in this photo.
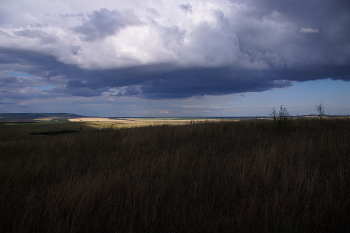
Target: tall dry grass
(247, 176)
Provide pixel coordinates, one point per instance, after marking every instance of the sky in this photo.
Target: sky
(162, 58)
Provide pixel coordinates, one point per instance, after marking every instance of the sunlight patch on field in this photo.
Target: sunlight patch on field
(95, 119)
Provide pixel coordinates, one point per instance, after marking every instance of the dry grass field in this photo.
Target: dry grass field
(225, 176)
(23, 129)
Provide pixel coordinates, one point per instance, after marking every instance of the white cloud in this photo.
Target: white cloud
(309, 30)
(107, 34)
(115, 36)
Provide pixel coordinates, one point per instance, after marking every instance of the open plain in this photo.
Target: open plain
(224, 176)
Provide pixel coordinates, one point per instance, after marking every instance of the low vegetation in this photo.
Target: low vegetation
(14, 128)
(54, 132)
(243, 176)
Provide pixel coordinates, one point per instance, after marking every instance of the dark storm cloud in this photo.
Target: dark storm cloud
(186, 8)
(262, 45)
(36, 64)
(312, 31)
(314, 11)
(104, 23)
(75, 88)
(30, 33)
(6, 79)
(5, 103)
(163, 80)
(225, 80)
(204, 81)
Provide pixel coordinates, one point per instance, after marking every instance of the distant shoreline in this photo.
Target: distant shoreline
(40, 117)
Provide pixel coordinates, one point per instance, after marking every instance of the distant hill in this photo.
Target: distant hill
(33, 117)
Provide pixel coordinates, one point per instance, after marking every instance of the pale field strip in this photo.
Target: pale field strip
(128, 120)
(98, 119)
(46, 119)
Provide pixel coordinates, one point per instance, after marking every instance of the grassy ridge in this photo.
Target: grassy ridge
(247, 176)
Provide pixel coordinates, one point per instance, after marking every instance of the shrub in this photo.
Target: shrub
(282, 116)
(273, 115)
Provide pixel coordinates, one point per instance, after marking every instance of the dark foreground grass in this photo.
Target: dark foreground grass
(248, 176)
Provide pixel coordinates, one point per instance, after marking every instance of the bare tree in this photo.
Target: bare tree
(321, 111)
